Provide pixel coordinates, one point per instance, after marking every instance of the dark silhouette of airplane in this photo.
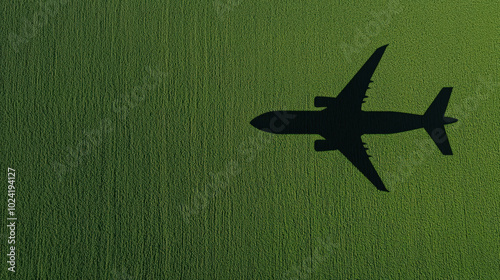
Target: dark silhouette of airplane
(343, 122)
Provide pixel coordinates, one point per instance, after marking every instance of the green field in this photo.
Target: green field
(127, 124)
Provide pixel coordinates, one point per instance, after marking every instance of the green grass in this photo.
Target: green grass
(115, 212)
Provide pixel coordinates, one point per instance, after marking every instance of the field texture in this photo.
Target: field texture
(128, 126)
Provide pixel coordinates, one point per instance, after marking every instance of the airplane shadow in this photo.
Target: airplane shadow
(342, 122)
